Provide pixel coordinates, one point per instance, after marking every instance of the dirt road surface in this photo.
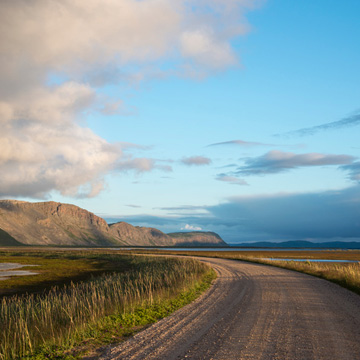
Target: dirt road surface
(255, 312)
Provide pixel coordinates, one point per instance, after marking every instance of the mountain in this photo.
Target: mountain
(301, 244)
(53, 223)
(140, 236)
(197, 238)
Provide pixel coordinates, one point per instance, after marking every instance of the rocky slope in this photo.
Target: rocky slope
(135, 235)
(53, 223)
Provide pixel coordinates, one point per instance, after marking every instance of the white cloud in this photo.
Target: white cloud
(55, 56)
(205, 49)
(191, 228)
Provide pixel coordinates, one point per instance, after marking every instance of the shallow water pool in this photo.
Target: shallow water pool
(8, 269)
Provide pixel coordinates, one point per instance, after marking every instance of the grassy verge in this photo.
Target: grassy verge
(344, 274)
(69, 321)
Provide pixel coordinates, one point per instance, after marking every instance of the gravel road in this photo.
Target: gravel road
(255, 312)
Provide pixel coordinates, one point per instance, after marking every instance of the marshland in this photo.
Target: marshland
(81, 300)
(97, 298)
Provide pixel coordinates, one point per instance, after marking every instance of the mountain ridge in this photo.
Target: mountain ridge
(54, 223)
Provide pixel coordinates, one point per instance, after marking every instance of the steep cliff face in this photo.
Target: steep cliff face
(53, 223)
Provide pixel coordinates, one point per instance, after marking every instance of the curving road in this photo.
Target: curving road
(255, 312)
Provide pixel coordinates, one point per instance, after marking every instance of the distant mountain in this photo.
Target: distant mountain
(197, 238)
(140, 236)
(53, 223)
(302, 244)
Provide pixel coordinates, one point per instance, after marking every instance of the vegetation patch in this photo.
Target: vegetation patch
(344, 274)
(57, 268)
(69, 321)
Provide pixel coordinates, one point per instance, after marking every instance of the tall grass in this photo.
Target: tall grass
(58, 316)
(344, 274)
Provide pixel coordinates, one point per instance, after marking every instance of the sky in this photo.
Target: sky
(240, 117)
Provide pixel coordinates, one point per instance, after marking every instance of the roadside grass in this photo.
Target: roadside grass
(345, 274)
(70, 320)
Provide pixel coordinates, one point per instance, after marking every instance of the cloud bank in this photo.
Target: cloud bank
(320, 216)
(55, 57)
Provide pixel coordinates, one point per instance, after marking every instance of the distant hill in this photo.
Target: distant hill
(53, 223)
(140, 236)
(302, 244)
(197, 238)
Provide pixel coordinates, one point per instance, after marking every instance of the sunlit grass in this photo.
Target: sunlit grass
(344, 274)
(65, 317)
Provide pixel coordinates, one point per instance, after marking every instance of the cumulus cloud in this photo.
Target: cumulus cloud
(349, 121)
(196, 160)
(278, 161)
(205, 49)
(231, 179)
(36, 159)
(55, 57)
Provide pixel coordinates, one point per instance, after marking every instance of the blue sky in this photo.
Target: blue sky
(238, 117)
